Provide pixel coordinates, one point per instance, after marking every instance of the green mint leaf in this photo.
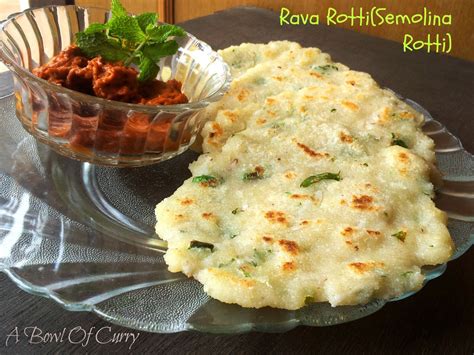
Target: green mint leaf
(316, 178)
(126, 28)
(132, 39)
(96, 27)
(158, 51)
(161, 33)
(117, 9)
(145, 19)
(90, 43)
(148, 69)
(97, 43)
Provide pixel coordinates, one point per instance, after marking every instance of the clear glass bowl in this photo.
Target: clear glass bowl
(83, 235)
(94, 129)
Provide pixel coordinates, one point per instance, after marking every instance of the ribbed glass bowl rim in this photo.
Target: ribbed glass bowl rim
(84, 98)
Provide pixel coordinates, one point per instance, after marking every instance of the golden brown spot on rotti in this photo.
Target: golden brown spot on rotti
(403, 157)
(245, 268)
(261, 121)
(207, 215)
(304, 223)
(269, 101)
(308, 97)
(179, 217)
(276, 217)
(289, 266)
(370, 187)
(345, 137)
(243, 94)
(312, 153)
(271, 113)
(289, 246)
(211, 141)
(350, 105)
(384, 115)
(302, 109)
(303, 197)
(363, 202)
(260, 170)
(224, 274)
(348, 231)
(299, 197)
(290, 175)
(247, 283)
(267, 239)
(343, 202)
(406, 115)
(317, 75)
(231, 116)
(217, 130)
(277, 78)
(187, 201)
(351, 82)
(361, 268)
(373, 233)
(216, 127)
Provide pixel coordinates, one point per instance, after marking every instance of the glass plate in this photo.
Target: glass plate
(83, 236)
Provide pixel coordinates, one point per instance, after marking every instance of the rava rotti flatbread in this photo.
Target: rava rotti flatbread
(315, 185)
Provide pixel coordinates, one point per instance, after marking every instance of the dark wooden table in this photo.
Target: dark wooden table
(439, 319)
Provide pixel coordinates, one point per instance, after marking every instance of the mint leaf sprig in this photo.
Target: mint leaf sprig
(138, 40)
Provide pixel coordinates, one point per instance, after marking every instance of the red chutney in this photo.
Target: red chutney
(109, 132)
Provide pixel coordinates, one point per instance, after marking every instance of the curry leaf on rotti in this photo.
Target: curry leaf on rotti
(95, 27)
